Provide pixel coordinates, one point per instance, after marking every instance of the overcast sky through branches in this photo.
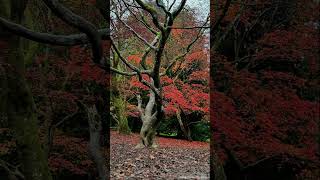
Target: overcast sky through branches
(202, 7)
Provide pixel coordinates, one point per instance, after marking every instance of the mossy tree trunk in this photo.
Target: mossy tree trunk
(120, 107)
(20, 107)
(119, 100)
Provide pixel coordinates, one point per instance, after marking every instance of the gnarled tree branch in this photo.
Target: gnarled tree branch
(47, 38)
(83, 25)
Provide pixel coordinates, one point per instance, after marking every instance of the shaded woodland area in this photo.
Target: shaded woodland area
(265, 89)
(54, 99)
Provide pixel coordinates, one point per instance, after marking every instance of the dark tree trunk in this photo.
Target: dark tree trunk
(20, 107)
(95, 149)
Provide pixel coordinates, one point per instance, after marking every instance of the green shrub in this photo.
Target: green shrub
(200, 131)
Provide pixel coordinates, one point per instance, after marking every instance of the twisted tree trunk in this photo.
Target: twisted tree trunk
(150, 120)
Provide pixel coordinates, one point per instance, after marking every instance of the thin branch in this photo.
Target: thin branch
(135, 33)
(194, 122)
(193, 27)
(188, 49)
(258, 162)
(65, 119)
(172, 5)
(127, 73)
(178, 9)
(217, 42)
(142, 20)
(153, 14)
(134, 68)
(168, 14)
(147, 51)
(131, 66)
(122, 72)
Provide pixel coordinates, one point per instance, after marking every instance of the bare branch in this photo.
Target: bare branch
(153, 14)
(168, 14)
(134, 68)
(127, 73)
(188, 49)
(61, 40)
(147, 51)
(122, 72)
(142, 20)
(178, 9)
(203, 26)
(151, 86)
(131, 66)
(70, 116)
(135, 33)
(217, 42)
(172, 5)
(193, 27)
(83, 25)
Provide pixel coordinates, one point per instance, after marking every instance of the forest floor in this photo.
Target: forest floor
(173, 159)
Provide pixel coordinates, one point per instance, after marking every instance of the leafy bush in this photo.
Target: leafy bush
(200, 131)
(168, 127)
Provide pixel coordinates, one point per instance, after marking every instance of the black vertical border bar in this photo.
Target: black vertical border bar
(104, 105)
(210, 90)
(107, 96)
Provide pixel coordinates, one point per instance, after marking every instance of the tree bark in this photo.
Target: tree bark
(149, 122)
(95, 128)
(185, 129)
(148, 133)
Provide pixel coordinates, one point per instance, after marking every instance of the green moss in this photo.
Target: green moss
(120, 105)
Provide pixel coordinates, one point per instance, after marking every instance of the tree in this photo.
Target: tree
(162, 18)
(19, 105)
(187, 77)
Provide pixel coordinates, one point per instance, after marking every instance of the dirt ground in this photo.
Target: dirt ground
(174, 159)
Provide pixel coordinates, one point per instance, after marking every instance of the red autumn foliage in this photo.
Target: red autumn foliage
(269, 105)
(190, 94)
